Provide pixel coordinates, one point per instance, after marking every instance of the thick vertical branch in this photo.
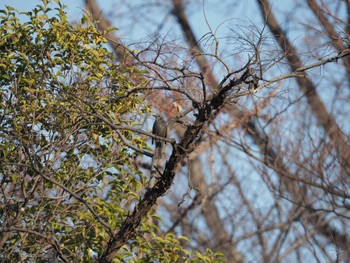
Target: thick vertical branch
(103, 24)
(222, 240)
(197, 52)
(319, 110)
(330, 30)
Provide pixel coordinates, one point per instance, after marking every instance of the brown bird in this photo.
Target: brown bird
(160, 128)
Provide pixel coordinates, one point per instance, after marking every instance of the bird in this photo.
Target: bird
(160, 128)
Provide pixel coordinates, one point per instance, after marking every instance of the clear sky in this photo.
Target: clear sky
(24, 5)
(75, 7)
(215, 17)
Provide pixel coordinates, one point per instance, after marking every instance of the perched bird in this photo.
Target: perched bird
(160, 128)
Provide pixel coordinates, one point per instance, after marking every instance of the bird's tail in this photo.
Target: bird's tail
(158, 151)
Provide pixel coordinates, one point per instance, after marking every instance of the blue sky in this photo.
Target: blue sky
(75, 8)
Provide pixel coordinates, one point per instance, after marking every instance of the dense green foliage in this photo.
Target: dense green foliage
(66, 174)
